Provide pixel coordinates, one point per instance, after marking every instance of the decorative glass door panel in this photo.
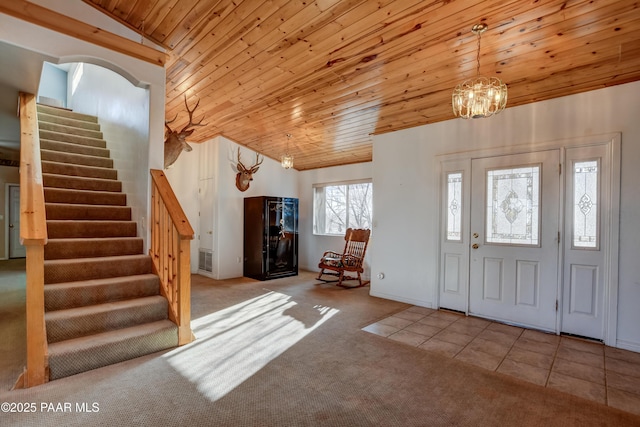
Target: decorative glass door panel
(585, 203)
(513, 201)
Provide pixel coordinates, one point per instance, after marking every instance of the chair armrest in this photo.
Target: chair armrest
(331, 254)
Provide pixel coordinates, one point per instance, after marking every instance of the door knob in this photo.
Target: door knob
(475, 246)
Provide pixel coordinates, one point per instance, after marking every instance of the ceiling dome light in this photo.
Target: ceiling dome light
(481, 96)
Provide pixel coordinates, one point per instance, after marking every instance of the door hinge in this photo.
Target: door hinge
(558, 238)
(560, 169)
(556, 305)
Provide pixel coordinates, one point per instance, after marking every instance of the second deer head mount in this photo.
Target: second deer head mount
(245, 175)
(174, 142)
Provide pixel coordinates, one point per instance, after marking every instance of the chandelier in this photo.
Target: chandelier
(482, 96)
(287, 159)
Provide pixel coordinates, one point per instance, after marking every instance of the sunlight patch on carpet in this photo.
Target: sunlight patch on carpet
(235, 343)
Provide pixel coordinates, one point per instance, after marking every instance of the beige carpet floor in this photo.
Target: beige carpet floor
(291, 352)
(13, 341)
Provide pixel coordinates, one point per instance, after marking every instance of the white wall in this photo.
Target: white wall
(405, 178)
(9, 122)
(313, 246)
(183, 176)
(214, 159)
(53, 85)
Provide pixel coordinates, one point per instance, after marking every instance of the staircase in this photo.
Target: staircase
(102, 301)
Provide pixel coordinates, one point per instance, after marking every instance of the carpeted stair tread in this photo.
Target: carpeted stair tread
(92, 247)
(79, 170)
(69, 130)
(85, 212)
(62, 112)
(69, 270)
(80, 182)
(61, 229)
(84, 197)
(67, 147)
(94, 319)
(59, 296)
(71, 357)
(76, 159)
(72, 139)
(68, 121)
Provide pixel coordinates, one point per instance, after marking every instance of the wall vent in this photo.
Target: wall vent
(205, 260)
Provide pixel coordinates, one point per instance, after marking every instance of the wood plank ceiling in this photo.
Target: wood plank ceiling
(334, 72)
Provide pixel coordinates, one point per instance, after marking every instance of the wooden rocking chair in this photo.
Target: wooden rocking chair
(350, 260)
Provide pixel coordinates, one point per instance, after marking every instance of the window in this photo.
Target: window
(337, 207)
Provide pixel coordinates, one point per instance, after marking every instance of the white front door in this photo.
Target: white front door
(16, 250)
(513, 275)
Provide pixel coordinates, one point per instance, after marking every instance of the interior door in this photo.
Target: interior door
(16, 250)
(515, 238)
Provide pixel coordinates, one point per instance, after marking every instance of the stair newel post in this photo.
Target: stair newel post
(184, 297)
(171, 254)
(36, 329)
(33, 235)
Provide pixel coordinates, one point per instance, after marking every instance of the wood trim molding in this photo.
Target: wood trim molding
(55, 21)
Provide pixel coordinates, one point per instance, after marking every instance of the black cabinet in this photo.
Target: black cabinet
(270, 237)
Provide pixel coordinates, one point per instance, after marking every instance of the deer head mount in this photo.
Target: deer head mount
(245, 175)
(174, 142)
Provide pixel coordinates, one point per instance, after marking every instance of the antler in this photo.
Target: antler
(240, 165)
(190, 118)
(258, 162)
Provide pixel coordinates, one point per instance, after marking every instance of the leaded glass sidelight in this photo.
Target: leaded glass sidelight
(513, 206)
(454, 206)
(585, 204)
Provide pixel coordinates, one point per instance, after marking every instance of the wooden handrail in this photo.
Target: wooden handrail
(33, 235)
(170, 251)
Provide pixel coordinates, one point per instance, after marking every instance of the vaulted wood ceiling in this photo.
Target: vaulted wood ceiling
(334, 72)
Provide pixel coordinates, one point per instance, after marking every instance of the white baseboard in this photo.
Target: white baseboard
(420, 303)
(628, 345)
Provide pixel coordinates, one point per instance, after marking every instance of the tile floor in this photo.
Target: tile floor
(590, 370)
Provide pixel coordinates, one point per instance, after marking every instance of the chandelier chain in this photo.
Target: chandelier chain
(478, 55)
